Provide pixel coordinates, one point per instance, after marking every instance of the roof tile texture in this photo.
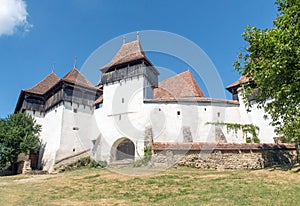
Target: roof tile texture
(182, 85)
(128, 52)
(75, 77)
(45, 85)
(243, 79)
(99, 100)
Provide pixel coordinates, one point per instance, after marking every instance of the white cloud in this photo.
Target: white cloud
(13, 16)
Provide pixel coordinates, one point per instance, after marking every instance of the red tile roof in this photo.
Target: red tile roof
(243, 79)
(182, 85)
(128, 52)
(45, 85)
(99, 100)
(75, 77)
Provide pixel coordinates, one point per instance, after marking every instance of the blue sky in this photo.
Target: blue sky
(53, 32)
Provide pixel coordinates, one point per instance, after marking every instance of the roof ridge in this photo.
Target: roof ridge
(182, 85)
(76, 77)
(243, 79)
(195, 84)
(40, 88)
(129, 51)
(52, 72)
(176, 75)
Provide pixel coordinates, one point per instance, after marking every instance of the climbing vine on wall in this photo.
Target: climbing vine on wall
(245, 128)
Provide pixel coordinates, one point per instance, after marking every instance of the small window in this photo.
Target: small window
(75, 110)
(73, 149)
(120, 117)
(204, 109)
(178, 112)
(159, 109)
(122, 100)
(75, 128)
(218, 114)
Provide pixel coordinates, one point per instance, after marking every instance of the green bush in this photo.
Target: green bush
(256, 140)
(141, 162)
(98, 164)
(147, 151)
(144, 161)
(83, 162)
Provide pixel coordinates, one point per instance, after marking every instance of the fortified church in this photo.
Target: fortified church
(128, 110)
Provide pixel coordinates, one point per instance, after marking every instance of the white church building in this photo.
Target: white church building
(129, 109)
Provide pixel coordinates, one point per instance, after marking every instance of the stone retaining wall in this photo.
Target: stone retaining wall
(223, 155)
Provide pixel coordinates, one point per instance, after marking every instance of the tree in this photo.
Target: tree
(18, 134)
(272, 61)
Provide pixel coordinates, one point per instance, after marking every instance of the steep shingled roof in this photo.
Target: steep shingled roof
(243, 79)
(182, 85)
(75, 77)
(99, 100)
(45, 85)
(128, 52)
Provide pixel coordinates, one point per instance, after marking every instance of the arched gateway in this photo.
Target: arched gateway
(122, 149)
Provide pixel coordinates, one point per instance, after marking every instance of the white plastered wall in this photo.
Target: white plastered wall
(78, 130)
(256, 117)
(119, 116)
(168, 120)
(50, 135)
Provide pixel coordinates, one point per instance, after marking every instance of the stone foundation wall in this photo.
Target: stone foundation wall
(229, 157)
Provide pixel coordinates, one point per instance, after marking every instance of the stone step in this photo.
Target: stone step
(120, 163)
(72, 159)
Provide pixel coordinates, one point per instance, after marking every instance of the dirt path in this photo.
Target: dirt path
(27, 178)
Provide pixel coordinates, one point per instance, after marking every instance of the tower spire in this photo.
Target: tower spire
(75, 61)
(137, 36)
(53, 67)
(124, 39)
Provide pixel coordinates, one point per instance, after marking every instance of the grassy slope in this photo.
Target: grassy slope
(182, 186)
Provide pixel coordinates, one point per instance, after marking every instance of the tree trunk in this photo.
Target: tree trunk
(12, 167)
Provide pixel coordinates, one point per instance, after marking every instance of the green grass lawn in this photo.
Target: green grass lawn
(182, 186)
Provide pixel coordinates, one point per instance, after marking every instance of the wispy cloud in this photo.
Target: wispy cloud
(13, 16)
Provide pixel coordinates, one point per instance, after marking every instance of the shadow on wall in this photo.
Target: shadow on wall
(41, 163)
(282, 157)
